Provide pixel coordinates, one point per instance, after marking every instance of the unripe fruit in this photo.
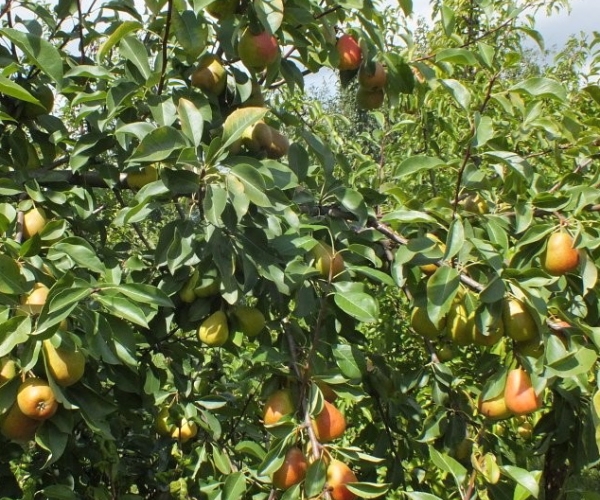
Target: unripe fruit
(66, 366)
(163, 424)
(214, 330)
(327, 262)
(210, 76)
(518, 322)
(369, 99)
(257, 137)
(34, 221)
(137, 180)
(16, 426)
(495, 333)
(525, 431)
(292, 471)
(519, 393)
(338, 475)
(250, 319)
(257, 51)
(330, 424)
(476, 204)
(278, 405)
(374, 80)
(422, 324)
(278, 146)
(350, 55)
(459, 327)
(36, 399)
(561, 257)
(222, 9)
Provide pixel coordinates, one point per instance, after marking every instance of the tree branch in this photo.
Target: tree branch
(163, 71)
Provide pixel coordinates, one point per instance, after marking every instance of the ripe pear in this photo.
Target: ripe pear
(328, 263)
(257, 137)
(278, 405)
(349, 53)
(214, 330)
(330, 424)
(257, 51)
(519, 393)
(422, 325)
(374, 80)
(16, 426)
(33, 303)
(292, 471)
(210, 75)
(250, 319)
(34, 221)
(8, 369)
(494, 408)
(278, 147)
(561, 257)
(186, 430)
(338, 475)
(518, 322)
(65, 365)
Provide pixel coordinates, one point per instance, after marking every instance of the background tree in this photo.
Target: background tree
(215, 286)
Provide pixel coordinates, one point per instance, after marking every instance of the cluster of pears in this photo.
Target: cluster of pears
(328, 425)
(518, 398)
(182, 429)
(262, 140)
(36, 401)
(214, 330)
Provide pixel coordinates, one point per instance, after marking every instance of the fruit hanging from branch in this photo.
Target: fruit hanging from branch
(292, 471)
(36, 399)
(349, 53)
(561, 256)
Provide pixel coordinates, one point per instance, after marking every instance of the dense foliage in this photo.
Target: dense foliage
(180, 220)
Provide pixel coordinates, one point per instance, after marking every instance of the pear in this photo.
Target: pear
(250, 319)
(214, 330)
(65, 365)
(187, 293)
(8, 369)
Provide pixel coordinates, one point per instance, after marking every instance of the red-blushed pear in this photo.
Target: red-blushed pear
(257, 51)
(560, 257)
(328, 263)
(34, 221)
(16, 426)
(330, 424)
(36, 399)
(328, 393)
(338, 475)
(373, 78)
(518, 321)
(494, 408)
(8, 369)
(33, 303)
(519, 393)
(369, 99)
(350, 55)
(278, 405)
(210, 75)
(422, 324)
(292, 471)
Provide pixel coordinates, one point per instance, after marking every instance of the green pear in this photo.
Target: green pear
(187, 293)
(214, 330)
(250, 319)
(65, 365)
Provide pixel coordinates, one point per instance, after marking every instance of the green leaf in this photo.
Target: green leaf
(146, 294)
(254, 184)
(12, 89)
(53, 441)
(13, 332)
(124, 29)
(359, 305)
(159, 145)
(350, 360)
(418, 495)
(441, 290)
(136, 52)
(368, 490)
(270, 13)
(191, 32)
(407, 216)
(234, 487)
(79, 250)
(416, 164)
(448, 464)
(42, 54)
(237, 122)
(11, 280)
(459, 92)
(123, 308)
(315, 478)
(523, 478)
(192, 122)
(542, 87)
(457, 56)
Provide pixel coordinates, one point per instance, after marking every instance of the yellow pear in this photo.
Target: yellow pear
(460, 327)
(518, 322)
(185, 431)
(210, 75)
(250, 319)
(8, 369)
(65, 365)
(34, 221)
(422, 325)
(33, 303)
(257, 137)
(214, 330)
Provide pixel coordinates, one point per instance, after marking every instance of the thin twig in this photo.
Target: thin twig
(81, 38)
(163, 71)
